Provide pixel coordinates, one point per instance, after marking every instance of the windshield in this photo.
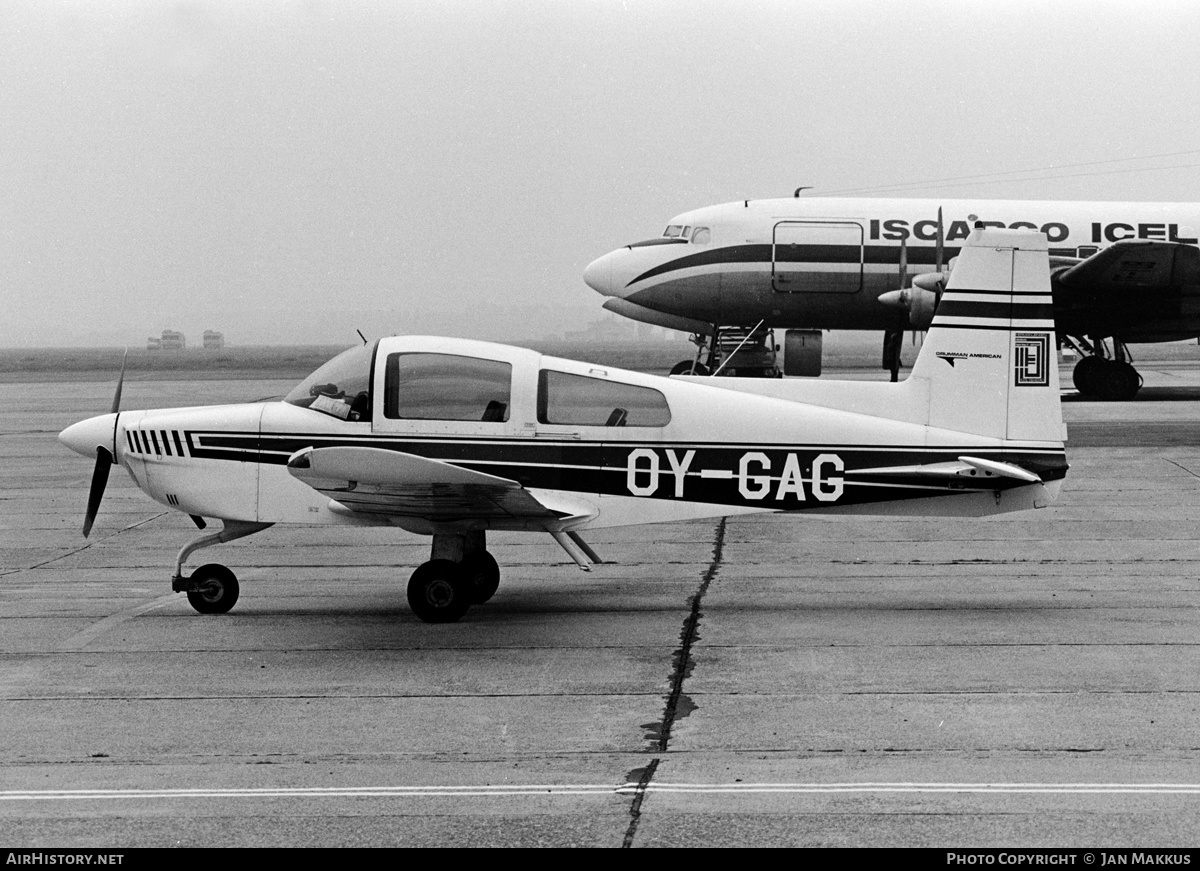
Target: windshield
(341, 388)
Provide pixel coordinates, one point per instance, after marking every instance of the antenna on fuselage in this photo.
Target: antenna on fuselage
(361, 336)
(806, 187)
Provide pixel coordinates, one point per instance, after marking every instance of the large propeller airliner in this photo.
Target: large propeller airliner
(454, 438)
(1121, 273)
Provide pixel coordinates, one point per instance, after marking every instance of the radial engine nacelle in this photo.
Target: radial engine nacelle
(920, 300)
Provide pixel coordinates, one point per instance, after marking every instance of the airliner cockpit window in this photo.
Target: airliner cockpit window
(701, 236)
(673, 231)
(577, 399)
(446, 387)
(341, 388)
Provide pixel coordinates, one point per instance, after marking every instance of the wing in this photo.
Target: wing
(1131, 287)
(396, 484)
(1135, 263)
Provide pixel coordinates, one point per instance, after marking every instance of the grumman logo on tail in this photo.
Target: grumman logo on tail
(755, 476)
(952, 356)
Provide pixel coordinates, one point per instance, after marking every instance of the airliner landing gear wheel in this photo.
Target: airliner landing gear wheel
(1089, 374)
(439, 591)
(216, 589)
(1121, 382)
(483, 574)
(684, 367)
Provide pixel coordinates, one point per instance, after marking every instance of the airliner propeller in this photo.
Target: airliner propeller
(105, 458)
(921, 299)
(893, 339)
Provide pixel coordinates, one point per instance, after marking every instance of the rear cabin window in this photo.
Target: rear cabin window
(584, 401)
(446, 387)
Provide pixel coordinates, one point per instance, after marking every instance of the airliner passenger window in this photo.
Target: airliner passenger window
(701, 236)
(446, 387)
(579, 400)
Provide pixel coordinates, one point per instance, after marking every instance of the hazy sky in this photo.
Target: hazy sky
(289, 171)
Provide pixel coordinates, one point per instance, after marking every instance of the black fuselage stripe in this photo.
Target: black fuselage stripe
(609, 468)
(815, 255)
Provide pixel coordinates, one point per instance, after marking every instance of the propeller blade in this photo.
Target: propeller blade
(941, 238)
(116, 405)
(105, 459)
(903, 263)
(104, 462)
(892, 342)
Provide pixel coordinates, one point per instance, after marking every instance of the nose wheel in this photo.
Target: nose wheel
(212, 589)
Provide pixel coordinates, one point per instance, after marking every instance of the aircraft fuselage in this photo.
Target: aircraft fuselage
(816, 263)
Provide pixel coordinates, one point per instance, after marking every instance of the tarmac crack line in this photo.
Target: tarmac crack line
(82, 548)
(678, 705)
(1182, 467)
(644, 776)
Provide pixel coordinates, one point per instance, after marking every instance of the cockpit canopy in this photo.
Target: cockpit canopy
(678, 234)
(696, 235)
(463, 381)
(341, 388)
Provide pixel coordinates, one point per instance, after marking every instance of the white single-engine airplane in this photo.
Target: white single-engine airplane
(1125, 272)
(452, 438)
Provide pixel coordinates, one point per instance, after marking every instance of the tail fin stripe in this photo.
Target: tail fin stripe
(1006, 310)
(1000, 327)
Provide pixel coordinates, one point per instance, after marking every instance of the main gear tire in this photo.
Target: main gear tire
(439, 591)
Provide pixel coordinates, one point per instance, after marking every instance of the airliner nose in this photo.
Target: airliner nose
(599, 275)
(87, 435)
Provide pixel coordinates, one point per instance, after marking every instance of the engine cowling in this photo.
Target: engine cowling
(925, 292)
(920, 300)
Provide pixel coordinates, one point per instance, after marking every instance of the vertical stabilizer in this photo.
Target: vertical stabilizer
(989, 360)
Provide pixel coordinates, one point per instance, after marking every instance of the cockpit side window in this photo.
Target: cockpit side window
(577, 399)
(446, 387)
(673, 231)
(701, 236)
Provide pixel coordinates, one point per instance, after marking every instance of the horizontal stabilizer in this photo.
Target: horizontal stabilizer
(963, 467)
(385, 468)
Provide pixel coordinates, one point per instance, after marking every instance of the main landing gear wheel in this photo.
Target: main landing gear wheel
(1110, 380)
(1122, 383)
(215, 589)
(685, 367)
(483, 574)
(1088, 374)
(439, 591)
